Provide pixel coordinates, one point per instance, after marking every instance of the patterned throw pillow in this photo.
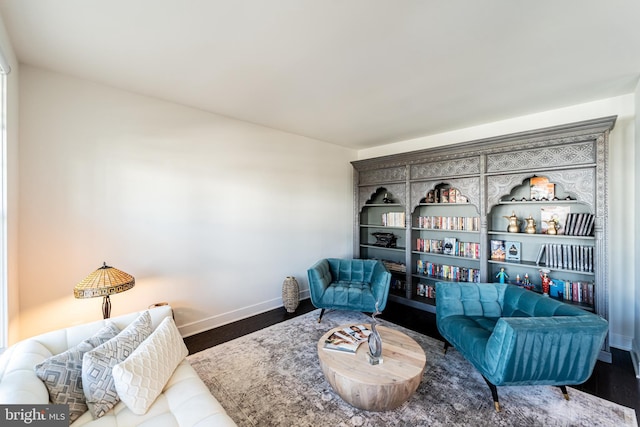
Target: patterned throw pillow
(62, 373)
(97, 364)
(140, 379)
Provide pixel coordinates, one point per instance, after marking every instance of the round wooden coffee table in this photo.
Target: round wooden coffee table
(375, 387)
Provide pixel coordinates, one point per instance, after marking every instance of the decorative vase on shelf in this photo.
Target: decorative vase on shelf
(530, 228)
(290, 294)
(375, 342)
(514, 223)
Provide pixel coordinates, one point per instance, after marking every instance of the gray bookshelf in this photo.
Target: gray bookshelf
(492, 178)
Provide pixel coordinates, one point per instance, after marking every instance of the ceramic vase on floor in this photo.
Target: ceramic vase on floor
(290, 294)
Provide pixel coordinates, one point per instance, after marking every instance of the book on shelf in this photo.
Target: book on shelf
(348, 339)
(498, 250)
(557, 213)
(444, 195)
(567, 257)
(394, 266)
(449, 246)
(580, 224)
(453, 195)
(455, 223)
(540, 254)
(512, 251)
(393, 219)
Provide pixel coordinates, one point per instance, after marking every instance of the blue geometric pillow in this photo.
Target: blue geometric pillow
(62, 373)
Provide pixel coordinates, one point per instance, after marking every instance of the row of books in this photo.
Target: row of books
(394, 266)
(574, 291)
(579, 224)
(449, 246)
(568, 257)
(393, 219)
(457, 223)
(348, 339)
(445, 195)
(428, 291)
(448, 272)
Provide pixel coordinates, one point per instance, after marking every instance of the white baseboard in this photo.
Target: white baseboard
(621, 342)
(635, 357)
(218, 320)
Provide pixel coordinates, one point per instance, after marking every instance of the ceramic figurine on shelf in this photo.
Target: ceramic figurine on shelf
(526, 282)
(546, 281)
(518, 281)
(502, 276)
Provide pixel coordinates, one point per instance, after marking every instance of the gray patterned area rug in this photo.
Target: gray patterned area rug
(272, 377)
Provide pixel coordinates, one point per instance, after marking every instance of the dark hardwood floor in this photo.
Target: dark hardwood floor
(615, 381)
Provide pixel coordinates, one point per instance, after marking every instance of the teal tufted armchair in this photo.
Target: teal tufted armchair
(349, 284)
(513, 336)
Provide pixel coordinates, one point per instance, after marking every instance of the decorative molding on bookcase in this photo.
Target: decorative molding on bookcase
(586, 132)
(550, 156)
(577, 182)
(379, 176)
(464, 166)
(499, 186)
(396, 192)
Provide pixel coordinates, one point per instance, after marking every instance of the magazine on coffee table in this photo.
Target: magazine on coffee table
(347, 339)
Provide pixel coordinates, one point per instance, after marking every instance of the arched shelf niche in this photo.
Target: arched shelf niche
(468, 188)
(375, 195)
(519, 199)
(577, 184)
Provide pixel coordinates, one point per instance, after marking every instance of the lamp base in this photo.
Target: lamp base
(106, 307)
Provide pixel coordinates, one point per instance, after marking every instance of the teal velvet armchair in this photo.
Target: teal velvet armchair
(349, 284)
(513, 336)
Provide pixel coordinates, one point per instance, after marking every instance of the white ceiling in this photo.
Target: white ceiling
(357, 73)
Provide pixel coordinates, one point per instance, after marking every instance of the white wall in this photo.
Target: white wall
(12, 303)
(209, 214)
(622, 191)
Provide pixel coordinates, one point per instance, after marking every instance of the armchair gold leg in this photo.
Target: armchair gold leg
(565, 393)
(321, 313)
(494, 394)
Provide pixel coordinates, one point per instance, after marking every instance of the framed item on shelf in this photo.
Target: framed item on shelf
(555, 213)
(512, 251)
(498, 250)
(541, 188)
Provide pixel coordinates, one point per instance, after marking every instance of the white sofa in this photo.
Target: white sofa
(184, 401)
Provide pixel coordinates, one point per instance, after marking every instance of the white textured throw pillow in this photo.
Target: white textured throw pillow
(97, 365)
(140, 379)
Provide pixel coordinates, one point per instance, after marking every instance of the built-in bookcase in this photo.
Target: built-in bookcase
(437, 237)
